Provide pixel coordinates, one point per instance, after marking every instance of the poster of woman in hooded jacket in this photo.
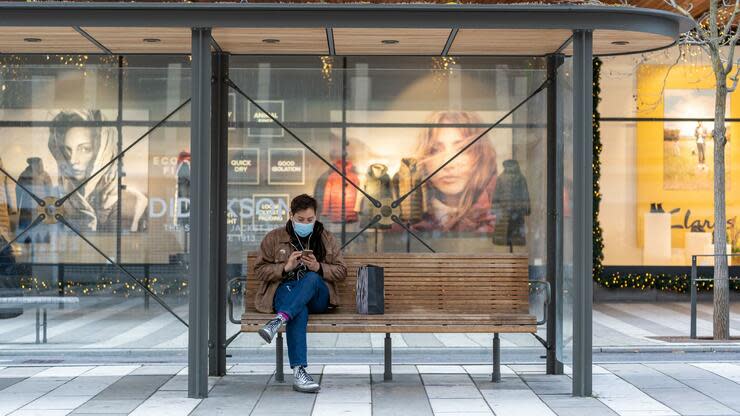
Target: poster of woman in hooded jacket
(83, 147)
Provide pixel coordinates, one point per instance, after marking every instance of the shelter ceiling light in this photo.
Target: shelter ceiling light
(151, 40)
(32, 40)
(271, 41)
(389, 41)
(620, 43)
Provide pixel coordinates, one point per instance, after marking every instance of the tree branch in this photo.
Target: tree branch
(735, 76)
(728, 24)
(685, 11)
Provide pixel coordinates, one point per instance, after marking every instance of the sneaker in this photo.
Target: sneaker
(270, 329)
(303, 382)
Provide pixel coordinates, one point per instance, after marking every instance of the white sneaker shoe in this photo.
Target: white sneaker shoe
(303, 382)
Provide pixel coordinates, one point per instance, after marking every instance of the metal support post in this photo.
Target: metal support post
(44, 327)
(219, 154)
(388, 370)
(554, 217)
(200, 213)
(582, 210)
(38, 326)
(279, 374)
(147, 282)
(693, 297)
(60, 270)
(496, 373)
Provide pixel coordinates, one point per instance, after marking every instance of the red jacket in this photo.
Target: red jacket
(331, 207)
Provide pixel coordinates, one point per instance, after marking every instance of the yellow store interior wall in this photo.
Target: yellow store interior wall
(650, 151)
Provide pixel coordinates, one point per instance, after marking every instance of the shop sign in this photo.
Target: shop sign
(286, 166)
(244, 166)
(270, 208)
(255, 115)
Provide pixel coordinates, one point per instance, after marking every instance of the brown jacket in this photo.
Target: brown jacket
(273, 254)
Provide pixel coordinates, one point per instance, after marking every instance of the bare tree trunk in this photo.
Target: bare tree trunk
(721, 325)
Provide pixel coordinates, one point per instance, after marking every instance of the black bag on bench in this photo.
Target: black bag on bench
(369, 290)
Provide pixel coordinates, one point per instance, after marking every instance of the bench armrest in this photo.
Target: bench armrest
(229, 291)
(546, 285)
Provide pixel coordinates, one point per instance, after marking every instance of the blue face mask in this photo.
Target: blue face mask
(303, 230)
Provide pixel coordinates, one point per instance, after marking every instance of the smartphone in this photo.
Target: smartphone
(306, 253)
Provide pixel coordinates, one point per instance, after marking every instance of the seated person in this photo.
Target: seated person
(298, 267)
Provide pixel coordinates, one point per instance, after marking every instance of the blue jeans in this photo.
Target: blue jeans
(298, 298)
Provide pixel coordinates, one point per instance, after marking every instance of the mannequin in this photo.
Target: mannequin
(510, 204)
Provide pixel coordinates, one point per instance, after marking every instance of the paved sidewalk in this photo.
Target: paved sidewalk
(631, 389)
(116, 323)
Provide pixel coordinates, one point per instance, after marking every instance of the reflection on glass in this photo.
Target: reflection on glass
(63, 125)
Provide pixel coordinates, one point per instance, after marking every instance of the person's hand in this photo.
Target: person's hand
(292, 262)
(311, 262)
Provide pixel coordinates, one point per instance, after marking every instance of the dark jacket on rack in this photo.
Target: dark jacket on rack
(510, 204)
(36, 180)
(182, 190)
(407, 178)
(331, 206)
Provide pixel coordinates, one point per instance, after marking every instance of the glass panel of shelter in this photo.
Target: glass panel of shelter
(79, 179)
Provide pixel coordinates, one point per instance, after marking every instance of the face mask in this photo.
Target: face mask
(303, 230)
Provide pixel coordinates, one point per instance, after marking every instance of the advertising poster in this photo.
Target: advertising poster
(688, 147)
(73, 157)
(391, 161)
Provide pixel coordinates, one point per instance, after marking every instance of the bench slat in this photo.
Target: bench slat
(38, 300)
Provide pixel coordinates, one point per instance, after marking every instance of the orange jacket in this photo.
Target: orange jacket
(331, 206)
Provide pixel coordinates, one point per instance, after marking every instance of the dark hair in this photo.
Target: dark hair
(302, 202)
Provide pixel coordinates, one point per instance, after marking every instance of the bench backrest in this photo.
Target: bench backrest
(434, 282)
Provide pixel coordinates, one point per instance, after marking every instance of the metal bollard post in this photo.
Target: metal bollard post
(38, 325)
(496, 374)
(692, 334)
(279, 374)
(388, 362)
(44, 339)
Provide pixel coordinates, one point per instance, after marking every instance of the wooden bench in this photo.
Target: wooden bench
(424, 293)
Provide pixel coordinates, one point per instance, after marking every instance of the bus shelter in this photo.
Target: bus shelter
(565, 38)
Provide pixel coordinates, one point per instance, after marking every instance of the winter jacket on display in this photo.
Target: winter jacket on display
(511, 204)
(320, 186)
(408, 177)
(331, 207)
(7, 206)
(378, 185)
(35, 179)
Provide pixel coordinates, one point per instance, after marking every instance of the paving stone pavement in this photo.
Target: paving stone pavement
(101, 323)
(620, 389)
